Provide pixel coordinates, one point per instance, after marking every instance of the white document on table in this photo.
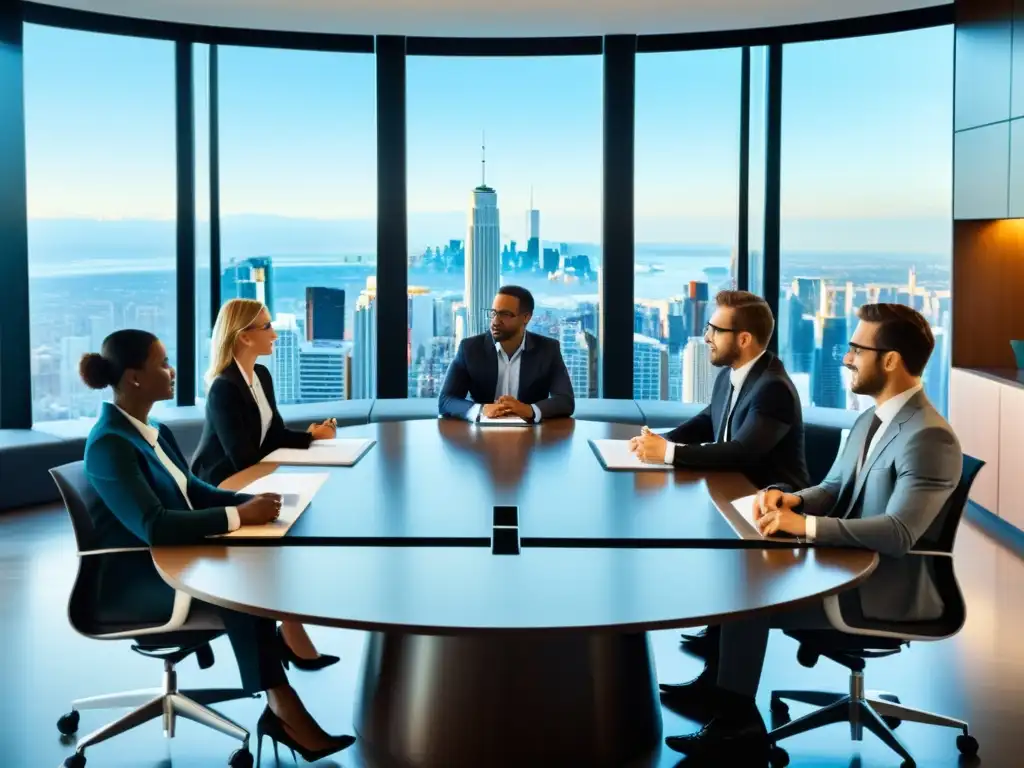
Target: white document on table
(615, 455)
(297, 490)
(336, 452)
(503, 421)
(742, 521)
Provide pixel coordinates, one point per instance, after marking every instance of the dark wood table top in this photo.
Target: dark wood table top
(440, 479)
(464, 589)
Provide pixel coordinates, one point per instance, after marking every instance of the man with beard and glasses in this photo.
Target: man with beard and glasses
(885, 491)
(509, 371)
(754, 423)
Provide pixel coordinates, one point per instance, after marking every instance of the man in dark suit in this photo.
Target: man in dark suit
(887, 490)
(509, 371)
(754, 423)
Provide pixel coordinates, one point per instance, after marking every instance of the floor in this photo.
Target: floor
(977, 675)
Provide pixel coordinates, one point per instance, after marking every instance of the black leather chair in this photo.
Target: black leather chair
(881, 713)
(187, 632)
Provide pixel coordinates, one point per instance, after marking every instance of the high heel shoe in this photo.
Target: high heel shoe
(271, 725)
(288, 656)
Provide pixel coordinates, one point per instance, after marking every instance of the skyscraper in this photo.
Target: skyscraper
(364, 353)
(483, 255)
(253, 280)
(533, 237)
(421, 321)
(284, 363)
(321, 372)
(325, 314)
(827, 389)
(646, 367)
(698, 373)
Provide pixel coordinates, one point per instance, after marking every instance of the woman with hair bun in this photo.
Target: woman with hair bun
(148, 497)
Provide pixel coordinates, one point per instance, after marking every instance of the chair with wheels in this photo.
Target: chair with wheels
(189, 631)
(881, 713)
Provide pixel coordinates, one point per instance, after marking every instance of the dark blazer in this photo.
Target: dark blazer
(141, 505)
(543, 378)
(231, 435)
(767, 430)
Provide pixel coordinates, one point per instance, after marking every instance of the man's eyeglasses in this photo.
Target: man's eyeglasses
(711, 329)
(500, 314)
(858, 348)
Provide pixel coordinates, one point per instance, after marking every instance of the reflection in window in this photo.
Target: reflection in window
(687, 176)
(527, 214)
(298, 196)
(99, 112)
(866, 199)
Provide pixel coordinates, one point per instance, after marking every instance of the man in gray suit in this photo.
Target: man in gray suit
(885, 492)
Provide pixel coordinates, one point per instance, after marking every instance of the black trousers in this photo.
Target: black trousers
(254, 641)
(742, 645)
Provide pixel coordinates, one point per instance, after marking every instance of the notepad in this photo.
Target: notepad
(297, 490)
(337, 452)
(742, 521)
(615, 455)
(503, 421)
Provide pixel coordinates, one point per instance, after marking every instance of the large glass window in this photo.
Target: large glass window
(866, 199)
(99, 112)
(686, 202)
(530, 215)
(298, 197)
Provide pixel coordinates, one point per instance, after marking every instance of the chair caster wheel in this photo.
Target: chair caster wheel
(806, 656)
(892, 697)
(967, 744)
(68, 724)
(778, 757)
(76, 760)
(892, 722)
(779, 708)
(241, 758)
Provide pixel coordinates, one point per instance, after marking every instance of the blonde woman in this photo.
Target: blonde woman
(243, 424)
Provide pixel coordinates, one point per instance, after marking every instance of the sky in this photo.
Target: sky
(867, 134)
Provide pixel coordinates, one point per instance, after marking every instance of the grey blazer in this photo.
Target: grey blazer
(896, 499)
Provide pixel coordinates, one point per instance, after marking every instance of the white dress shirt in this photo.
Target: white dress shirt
(151, 434)
(256, 389)
(886, 412)
(736, 377)
(508, 379)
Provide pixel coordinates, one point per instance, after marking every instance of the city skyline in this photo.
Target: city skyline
(272, 99)
(866, 191)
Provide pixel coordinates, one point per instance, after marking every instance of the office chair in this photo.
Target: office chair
(881, 713)
(184, 634)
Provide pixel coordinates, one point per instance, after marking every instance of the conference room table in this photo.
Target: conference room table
(538, 657)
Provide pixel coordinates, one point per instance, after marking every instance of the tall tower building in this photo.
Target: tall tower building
(322, 372)
(364, 353)
(647, 367)
(827, 390)
(698, 373)
(252, 280)
(325, 314)
(284, 363)
(483, 255)
(533, 236)
(421, 321)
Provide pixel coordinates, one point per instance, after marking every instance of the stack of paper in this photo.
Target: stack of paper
(337, 452)
(297, 490)
(615, 455)
(503, 421)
